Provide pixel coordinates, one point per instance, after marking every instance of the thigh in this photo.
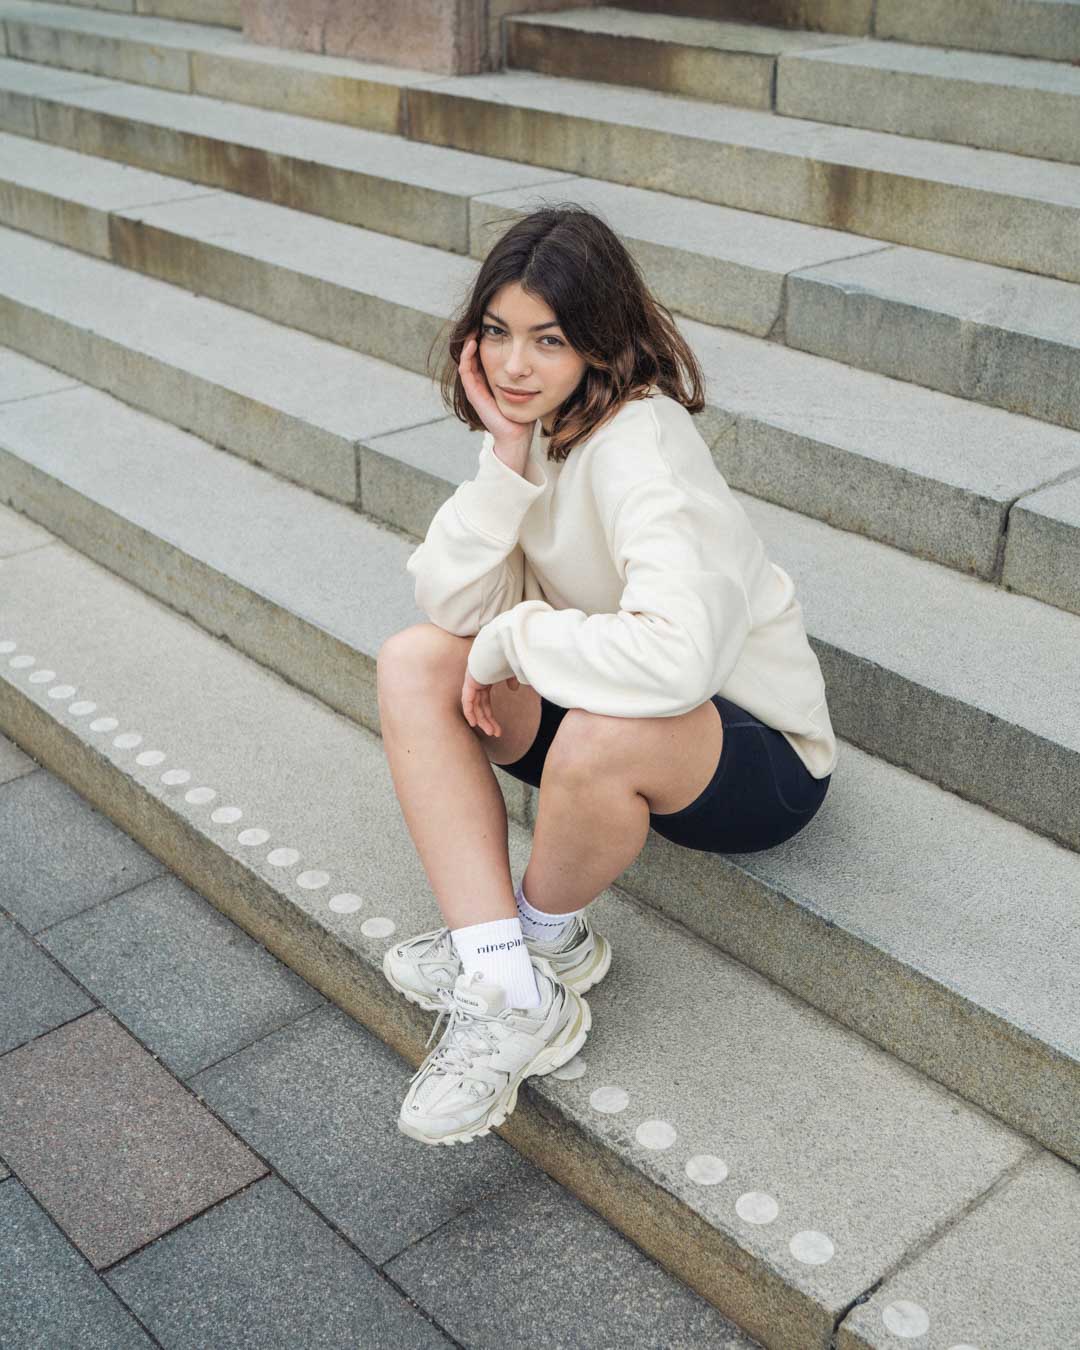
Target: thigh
(760, 795)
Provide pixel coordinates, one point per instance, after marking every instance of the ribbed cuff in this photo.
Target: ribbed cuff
(487, 662)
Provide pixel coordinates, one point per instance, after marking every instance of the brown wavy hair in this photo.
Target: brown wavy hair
(573, 260)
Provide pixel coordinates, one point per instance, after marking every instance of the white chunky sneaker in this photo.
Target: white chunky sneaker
(470, 1081)
(425, 967)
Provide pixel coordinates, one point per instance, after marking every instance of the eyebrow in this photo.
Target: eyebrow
(553, 323)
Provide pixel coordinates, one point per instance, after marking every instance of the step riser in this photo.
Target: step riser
(226, 13)
(363, 323)
(405, 210)
(305, 454)
(952, 526)
(919, 1021)
(993, 117)
(827, 16)
(1005, 368)
(992, 227)
(742, 78)
(742, 1286)
(1019, 28)
(372, 104)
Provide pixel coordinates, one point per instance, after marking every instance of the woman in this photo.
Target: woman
(606, 626)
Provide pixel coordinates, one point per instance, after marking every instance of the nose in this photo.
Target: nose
(516, 365)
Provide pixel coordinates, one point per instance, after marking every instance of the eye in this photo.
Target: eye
(550, 336)
(486, 328)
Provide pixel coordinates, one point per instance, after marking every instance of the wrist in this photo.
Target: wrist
(513, 455)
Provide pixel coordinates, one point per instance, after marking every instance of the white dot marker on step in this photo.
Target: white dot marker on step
(42, 676)
(573, 1068)
(904, 1318)
(21, 662)
(609, 1099)
(149, 757)
(104, 724)
(253, 836)
(7, 645)
(81, 708)
(313, 880)
(706, 1169)
(174, 777)
(965, 1346)
(127, 740)
(200, 796)
(655, 1134)
(812, 1247)
(226, 815)
(345, 903)
(377, 927)
(283, 857)
(61, 691)
(756, 1207)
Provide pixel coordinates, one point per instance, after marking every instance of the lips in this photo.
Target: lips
(519, 392)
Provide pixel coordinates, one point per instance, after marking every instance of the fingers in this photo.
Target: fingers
(477, 710)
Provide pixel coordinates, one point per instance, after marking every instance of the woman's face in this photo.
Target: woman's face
(523, 347)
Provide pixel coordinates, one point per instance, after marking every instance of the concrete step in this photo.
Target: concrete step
(928, 473)
(830, 16)
(1042, 557)
(226, 13)
(1009, 210)
(697, 58)
(367, 178)
(1010, 103)
(1006, 209)
(200, 59)
(956, 958)
(1046, 28)
(740, 1137)
(227, 376)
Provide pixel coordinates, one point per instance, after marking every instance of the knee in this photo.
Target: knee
(421, 657)
(585, 746)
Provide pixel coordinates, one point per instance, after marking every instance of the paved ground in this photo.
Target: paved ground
(198, 1150)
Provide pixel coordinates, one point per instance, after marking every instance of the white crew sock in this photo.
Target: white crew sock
(497, 950)
(536, 924)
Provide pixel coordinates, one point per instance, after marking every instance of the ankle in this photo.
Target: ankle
(497, 950)
(536, 924)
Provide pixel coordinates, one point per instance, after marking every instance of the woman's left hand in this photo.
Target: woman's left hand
(476, 704)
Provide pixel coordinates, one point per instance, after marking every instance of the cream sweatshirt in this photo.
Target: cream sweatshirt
(626, 580)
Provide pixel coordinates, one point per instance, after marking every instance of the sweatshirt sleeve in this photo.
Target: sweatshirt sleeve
(470, 566)
(682, 621)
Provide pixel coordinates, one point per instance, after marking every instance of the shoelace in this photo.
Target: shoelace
(454, 1056)
(434, 953)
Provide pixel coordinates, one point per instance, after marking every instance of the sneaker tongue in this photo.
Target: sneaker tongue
(476, 995)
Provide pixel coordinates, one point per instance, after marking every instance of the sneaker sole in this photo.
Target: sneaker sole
(565, 1046)
(578, 978)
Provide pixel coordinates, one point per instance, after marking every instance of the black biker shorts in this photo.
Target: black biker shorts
(760, 794)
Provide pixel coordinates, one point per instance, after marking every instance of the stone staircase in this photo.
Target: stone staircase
(836, 1086)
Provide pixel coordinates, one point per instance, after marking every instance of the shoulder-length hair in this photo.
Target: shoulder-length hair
(571, 259)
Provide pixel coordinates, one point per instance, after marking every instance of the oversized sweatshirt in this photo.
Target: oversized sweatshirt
(625, 580)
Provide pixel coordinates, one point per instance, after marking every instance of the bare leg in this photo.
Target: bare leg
(586, 835)
(444, 781)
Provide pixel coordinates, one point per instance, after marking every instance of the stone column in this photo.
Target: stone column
(449, 37)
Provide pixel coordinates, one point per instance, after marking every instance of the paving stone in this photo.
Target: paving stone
(35, 994)
(59, 856)
(51, 1299)
(109, 1142)
(183, 978)
(1003, 1277)
(263, 1270)
(319, 1100)
(546, 1262)
(13, 763)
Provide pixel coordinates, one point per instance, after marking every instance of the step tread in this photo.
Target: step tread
(390, 157)
(798, 1109)
(987, 913)
(145, 29)
(724, 35)
(904, 156)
